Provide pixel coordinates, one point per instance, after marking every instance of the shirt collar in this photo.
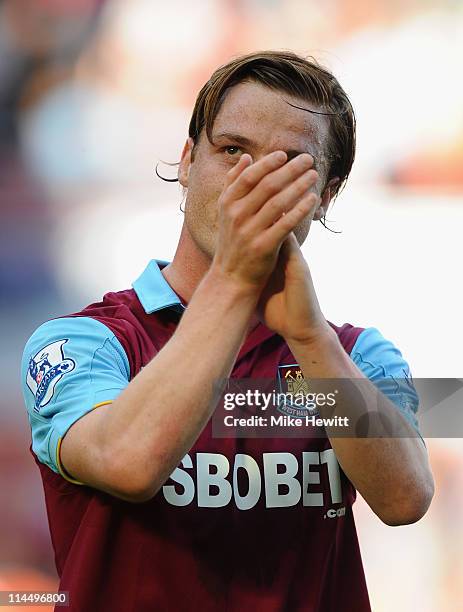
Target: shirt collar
(153, 291)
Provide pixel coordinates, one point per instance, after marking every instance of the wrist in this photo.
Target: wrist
(225, 284)
(319, 338)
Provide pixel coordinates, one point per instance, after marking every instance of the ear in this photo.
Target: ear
(185, 163)
(326, 197)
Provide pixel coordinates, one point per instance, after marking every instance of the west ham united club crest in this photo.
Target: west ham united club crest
(296, 389)
(46, 368)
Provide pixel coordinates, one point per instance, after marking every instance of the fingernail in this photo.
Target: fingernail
(279, 156)
(305, 160)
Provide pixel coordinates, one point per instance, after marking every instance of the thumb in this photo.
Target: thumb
(290, 246)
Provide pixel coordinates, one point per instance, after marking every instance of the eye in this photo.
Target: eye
(231, 150)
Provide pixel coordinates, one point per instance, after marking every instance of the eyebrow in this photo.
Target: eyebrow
(291, 153)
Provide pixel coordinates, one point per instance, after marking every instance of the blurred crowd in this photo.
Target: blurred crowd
(94, 93)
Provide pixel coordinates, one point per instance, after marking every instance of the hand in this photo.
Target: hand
(260, 205)
(288, 304)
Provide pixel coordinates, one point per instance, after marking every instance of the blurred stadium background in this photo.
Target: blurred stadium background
(94, 93)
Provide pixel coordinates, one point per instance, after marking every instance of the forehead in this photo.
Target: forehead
(264, 116)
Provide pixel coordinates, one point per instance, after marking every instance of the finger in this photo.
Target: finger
(244, 161)
(248, 179)
(272, 210)
(306, 206)
(273, 182)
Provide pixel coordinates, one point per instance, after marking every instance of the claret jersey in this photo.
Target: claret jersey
(242, 524)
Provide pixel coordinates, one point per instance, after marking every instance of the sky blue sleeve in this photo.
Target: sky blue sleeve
(69, 366)
(383, 364)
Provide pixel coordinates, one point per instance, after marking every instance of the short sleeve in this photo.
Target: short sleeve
(381, 362)
(69, 366)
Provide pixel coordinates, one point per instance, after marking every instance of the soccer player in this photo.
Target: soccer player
(147, 509)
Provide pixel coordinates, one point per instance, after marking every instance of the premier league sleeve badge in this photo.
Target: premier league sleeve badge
(45, 370)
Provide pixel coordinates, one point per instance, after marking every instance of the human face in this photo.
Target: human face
(256, 120)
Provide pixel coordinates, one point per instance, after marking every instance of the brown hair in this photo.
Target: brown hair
(289, 73)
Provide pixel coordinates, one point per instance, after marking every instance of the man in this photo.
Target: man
(147, 509)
